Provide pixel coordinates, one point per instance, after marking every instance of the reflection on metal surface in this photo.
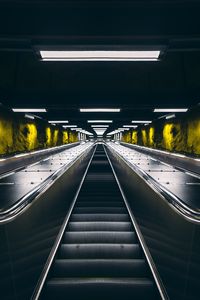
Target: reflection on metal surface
(174, 242)
(170, 182)
(28, 183)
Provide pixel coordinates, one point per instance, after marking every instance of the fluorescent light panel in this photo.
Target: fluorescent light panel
(98, 55)
(69, 126)
(29, 110)
(29, 117)
(170, 116)
(141, 122)
(130, 126)
(99, 109)
(170, 109)
(99, 121)
(100, 126)
(58, 122)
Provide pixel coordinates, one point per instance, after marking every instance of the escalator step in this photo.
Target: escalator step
(100, 268)
(87, 210)
(100, 217)
(100, 226)
(98, 198)
(100, 237)
(100, 251)
(100, 203)
(101, 288)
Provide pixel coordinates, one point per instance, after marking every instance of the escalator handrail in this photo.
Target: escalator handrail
(23, 203)
(174, 201)
(50, 259)
(156, 276)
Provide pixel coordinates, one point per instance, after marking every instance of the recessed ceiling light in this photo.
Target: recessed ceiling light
(98, 55)
(58, 122)
(29, 110)
(141, 122)
(99, 121)
(99, 109)
(170, 109)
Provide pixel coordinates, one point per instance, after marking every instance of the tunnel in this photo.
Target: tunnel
(99, 149)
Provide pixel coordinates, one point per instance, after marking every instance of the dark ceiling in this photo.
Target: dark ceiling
(64, 87)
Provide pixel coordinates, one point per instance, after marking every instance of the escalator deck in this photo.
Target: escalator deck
(100, 256)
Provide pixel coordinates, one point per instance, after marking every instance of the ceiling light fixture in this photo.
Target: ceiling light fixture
(170, 109)
(99, 121)
(29, 117)
(100, 109)
(58, 122)
(69, 126)
(131, 126)
(29, 110)
(100, 126)
(170, 116)
(141, 122)
(99, 55)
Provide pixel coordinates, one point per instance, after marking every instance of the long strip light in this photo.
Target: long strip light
(100, 109)
(29, 110)
(99, 121)
(58, 122)
(29, 116)
(100, 126)
(69, 126)
(141, 122)
(170, 110)
(170, 116)
(130, 126)
(98, 55)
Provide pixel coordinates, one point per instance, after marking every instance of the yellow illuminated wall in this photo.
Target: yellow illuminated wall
(144, 137)
(6, 136)
(134, 137)
(48, 137)
(26, 137)
(152, 137)
(126, 137)
(18, 134)
(73, 137)
(176, 135)
(55, 138)
(193, 136)
(65, 137)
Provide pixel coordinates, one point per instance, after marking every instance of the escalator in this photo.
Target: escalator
(100, 255)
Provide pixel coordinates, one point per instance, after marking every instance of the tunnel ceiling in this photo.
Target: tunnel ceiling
(64, 87)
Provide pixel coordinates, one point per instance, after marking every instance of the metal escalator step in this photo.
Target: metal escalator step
(101, 288)
(99, 251)
(87, 210)
(98, 198)
(100, 237)
(100, 268)
(99, 204)
(99, 217)
(99, 226)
